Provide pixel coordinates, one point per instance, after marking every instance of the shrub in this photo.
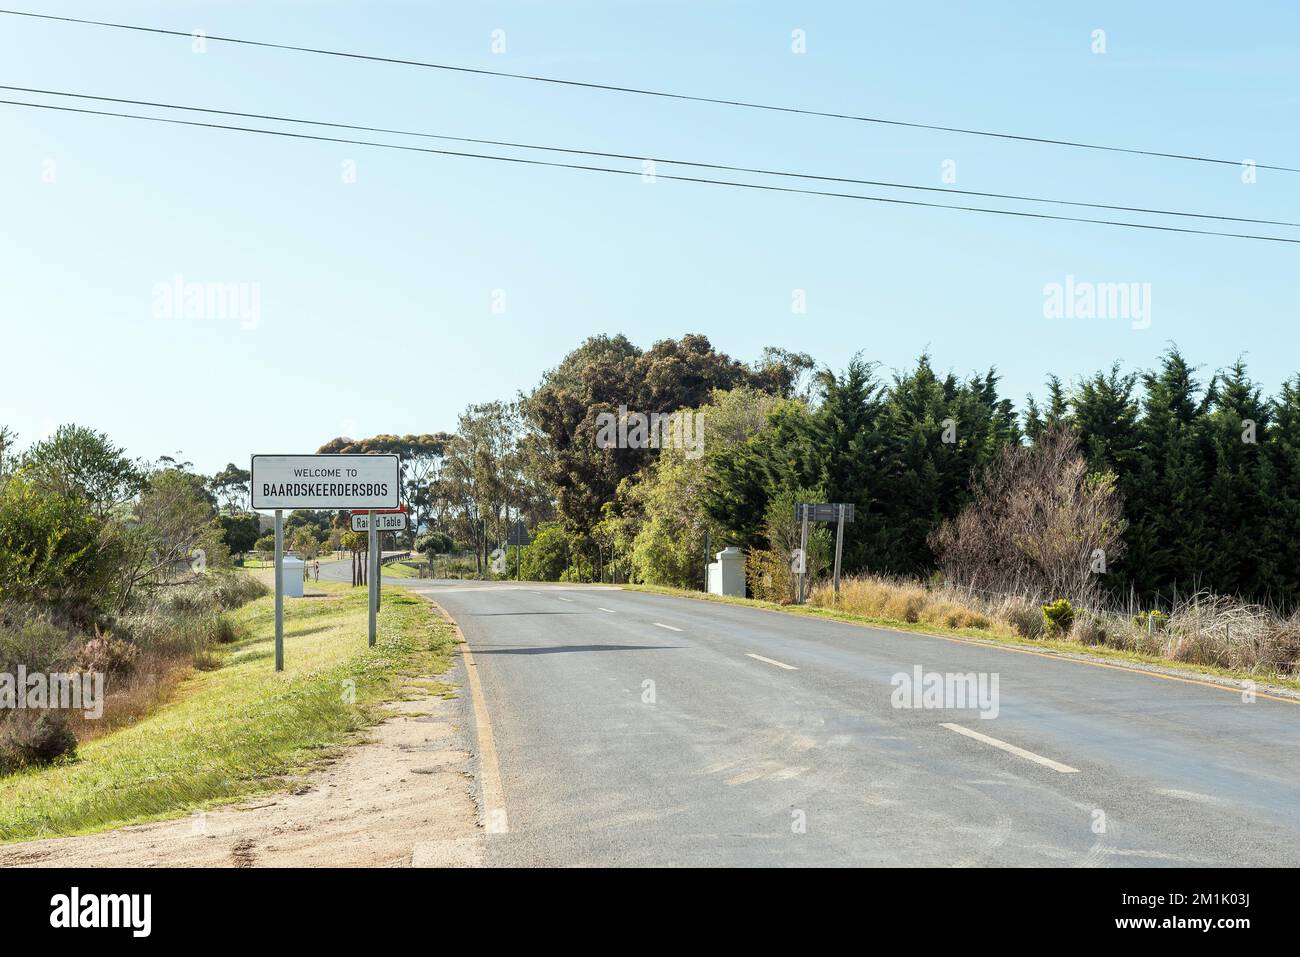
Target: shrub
(434, 543)
(1058, 618)
(32, 639)
(1024, 617)
(55, 552)
(1088, 629)
(228, 631)
(34, 738)
(768, 577)
(109, 655)
(546, 558)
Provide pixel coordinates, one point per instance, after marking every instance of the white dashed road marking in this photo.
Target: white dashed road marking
(771, 661)
(659, 624)
(609, 610)
(1012, 749)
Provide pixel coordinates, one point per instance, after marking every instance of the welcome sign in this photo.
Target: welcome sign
(325, 481)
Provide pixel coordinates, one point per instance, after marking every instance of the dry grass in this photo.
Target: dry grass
(906, 601)
(1206, 630)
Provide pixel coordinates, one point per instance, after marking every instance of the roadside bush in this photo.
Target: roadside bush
(1024, 617)
(1058, 618)
(228, 630)
(109, 655)
(32, 639)
(547, 556)
(434, 543)
(768, 576)
(55, 553)
(1088, 629)
(30, 738)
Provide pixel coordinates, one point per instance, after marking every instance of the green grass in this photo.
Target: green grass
(977, 634)
(243, 728)
(398, 570)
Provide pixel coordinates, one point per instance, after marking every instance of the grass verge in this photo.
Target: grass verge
(242, 728)
(1064, 648)
(400, 570)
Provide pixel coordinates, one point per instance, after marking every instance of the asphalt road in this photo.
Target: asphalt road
(636, 729)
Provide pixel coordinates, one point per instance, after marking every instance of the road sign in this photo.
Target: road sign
(384, 522)
(332, 482)
(518, 536)
(823, 512)
(805, 512)
(325, 481)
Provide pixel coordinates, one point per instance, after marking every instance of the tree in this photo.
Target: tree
(1039, 523)
(421, 457)
(547, 557)
(175, 533)
(305, 543)
(434, 543)
(231, 486)
(483, 474)
(608, 375)
(81, 461)
(54, 553)
(358, 543)
(240, 532)
(8, 458)
(669, 547)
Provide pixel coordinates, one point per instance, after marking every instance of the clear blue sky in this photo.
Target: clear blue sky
(405, 260)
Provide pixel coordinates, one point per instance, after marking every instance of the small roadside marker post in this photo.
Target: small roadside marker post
(279, 590)
(374, 588)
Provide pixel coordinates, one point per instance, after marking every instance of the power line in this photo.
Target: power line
(637, 91)
(657, 159)
(524, 161)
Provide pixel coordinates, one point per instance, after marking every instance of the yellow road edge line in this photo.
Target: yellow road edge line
(495, 820)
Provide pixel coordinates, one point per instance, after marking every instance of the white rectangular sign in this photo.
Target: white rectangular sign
(386, 522)
(325, 481)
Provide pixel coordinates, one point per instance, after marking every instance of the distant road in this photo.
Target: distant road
(762, 723)
(339, 571)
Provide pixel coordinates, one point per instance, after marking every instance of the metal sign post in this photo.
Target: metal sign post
(839, 548)
(279, 590)
(804, 512)
(517, 537)
(372, 591)
(803, 550)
